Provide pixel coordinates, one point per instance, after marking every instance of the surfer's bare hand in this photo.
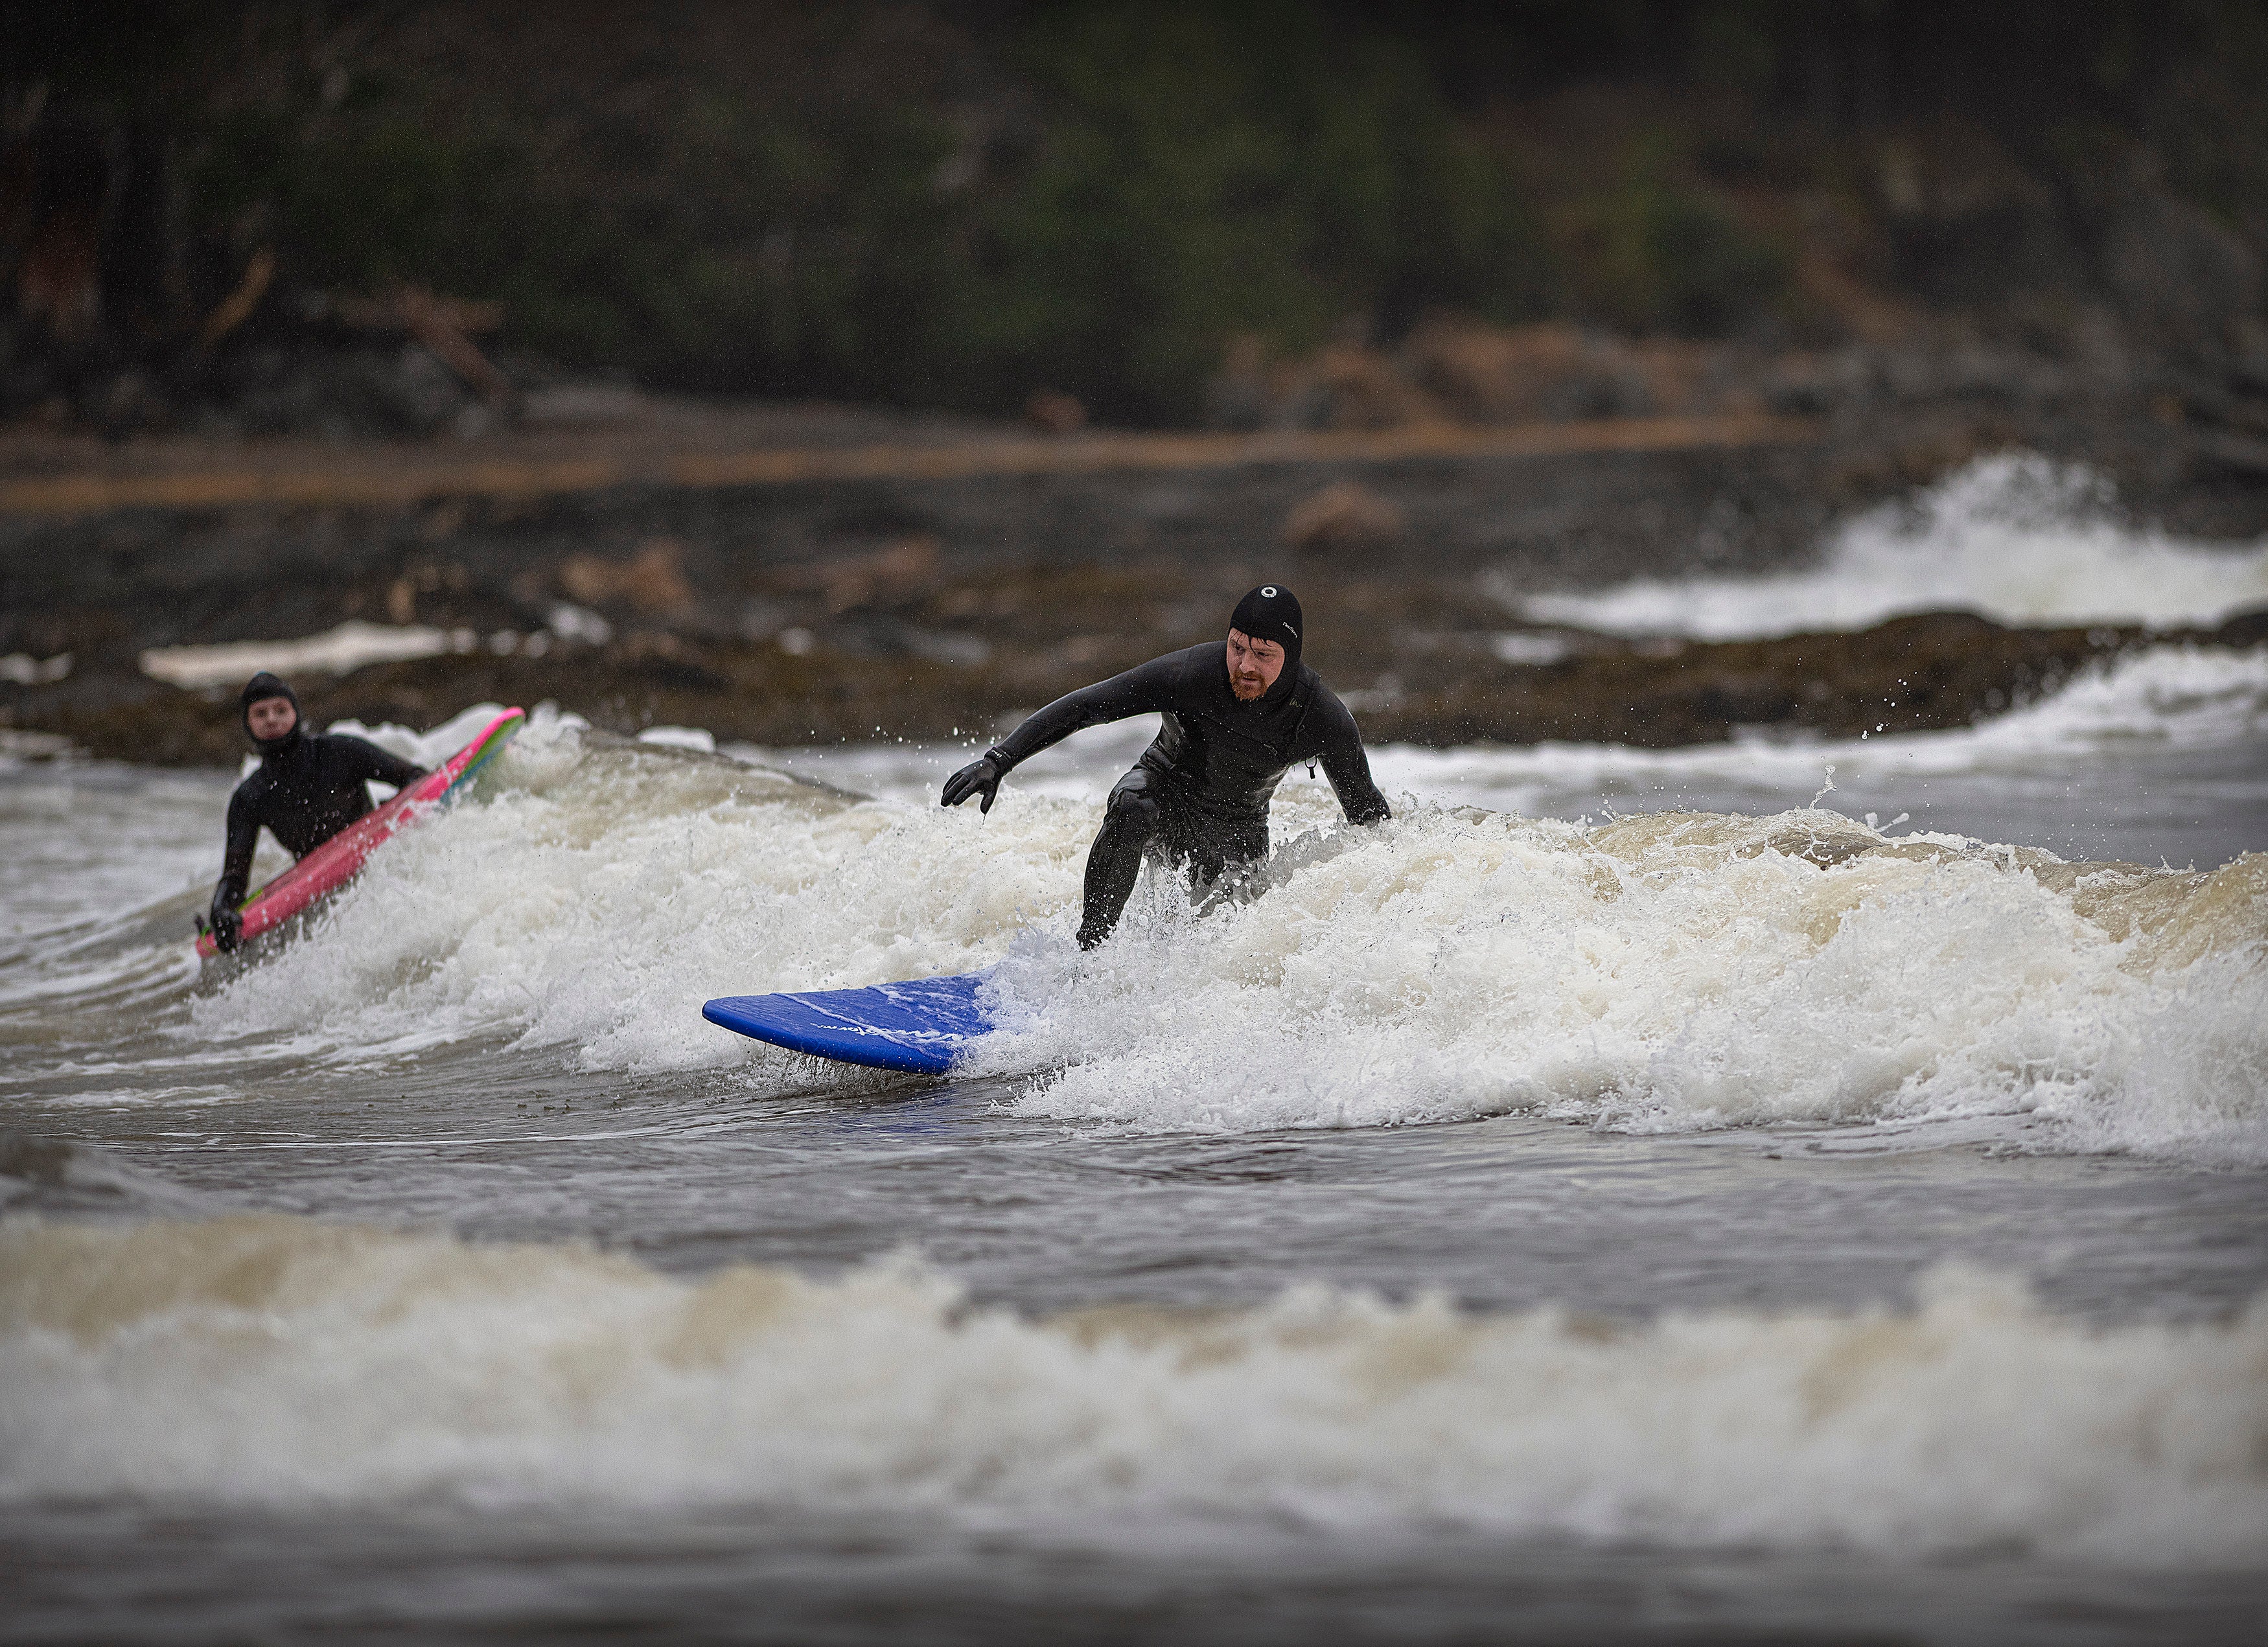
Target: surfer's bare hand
(978, 777)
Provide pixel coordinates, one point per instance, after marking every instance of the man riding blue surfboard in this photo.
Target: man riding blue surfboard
(1237, 715)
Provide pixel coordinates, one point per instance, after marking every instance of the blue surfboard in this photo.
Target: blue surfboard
(921, 1027)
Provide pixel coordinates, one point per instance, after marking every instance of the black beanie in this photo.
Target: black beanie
(1271, 613)
(264, 685)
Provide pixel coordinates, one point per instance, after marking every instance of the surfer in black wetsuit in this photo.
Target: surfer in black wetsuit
(309, 786)
(1237, 718)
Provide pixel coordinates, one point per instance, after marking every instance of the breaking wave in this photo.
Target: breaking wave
(280, 1361)
(1665, 973)
(1672, 973)
(2014, 537)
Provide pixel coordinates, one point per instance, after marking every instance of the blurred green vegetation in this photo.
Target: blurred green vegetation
(1657, 253)
(1202, 175)
(952, 205)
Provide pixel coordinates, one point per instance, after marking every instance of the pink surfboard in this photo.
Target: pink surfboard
(334, 864)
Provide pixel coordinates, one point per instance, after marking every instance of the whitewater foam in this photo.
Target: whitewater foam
(1657, 974)
(276, 1361)
(1665, 973)
(600, 892)
(2014, 537)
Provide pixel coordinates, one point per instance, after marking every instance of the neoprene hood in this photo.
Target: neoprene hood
(1271, 613)
(262, 686)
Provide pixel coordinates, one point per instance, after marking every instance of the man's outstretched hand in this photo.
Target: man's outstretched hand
(978, 777)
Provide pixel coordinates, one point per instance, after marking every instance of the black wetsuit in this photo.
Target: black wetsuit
(1199, 795)
(304, 792)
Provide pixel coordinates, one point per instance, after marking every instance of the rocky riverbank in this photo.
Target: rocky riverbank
(786, 574)
(963, 656)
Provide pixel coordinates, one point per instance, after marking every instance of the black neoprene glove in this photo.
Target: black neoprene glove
(978, 777)
(227, 922)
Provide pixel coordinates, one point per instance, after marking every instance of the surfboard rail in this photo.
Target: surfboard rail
(340, 859)
(921, 1027)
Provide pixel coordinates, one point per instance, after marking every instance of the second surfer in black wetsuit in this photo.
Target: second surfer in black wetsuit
(308, 787)
(1236, 718)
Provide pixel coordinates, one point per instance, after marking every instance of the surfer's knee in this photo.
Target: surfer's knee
(1131, 808)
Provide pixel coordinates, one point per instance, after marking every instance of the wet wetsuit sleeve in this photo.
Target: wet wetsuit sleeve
(1145, 690)
(236, 865)
(1339, 748)
(367, 762)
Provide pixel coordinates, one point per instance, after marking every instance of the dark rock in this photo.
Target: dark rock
(1994, 236)
(2246, 628)
(1922, 673)
(2214, 452)
(1344, 518)
(423, 396)
(128, 403)
(2176, 272)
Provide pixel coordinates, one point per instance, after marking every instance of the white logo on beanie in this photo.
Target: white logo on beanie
(1268, 591)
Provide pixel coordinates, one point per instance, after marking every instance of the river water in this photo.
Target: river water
(1617, 1199)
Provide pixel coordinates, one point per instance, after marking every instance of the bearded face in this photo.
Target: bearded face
(1252, 666)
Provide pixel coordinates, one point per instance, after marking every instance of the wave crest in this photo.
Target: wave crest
(276, 1360)
(2016, 537)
